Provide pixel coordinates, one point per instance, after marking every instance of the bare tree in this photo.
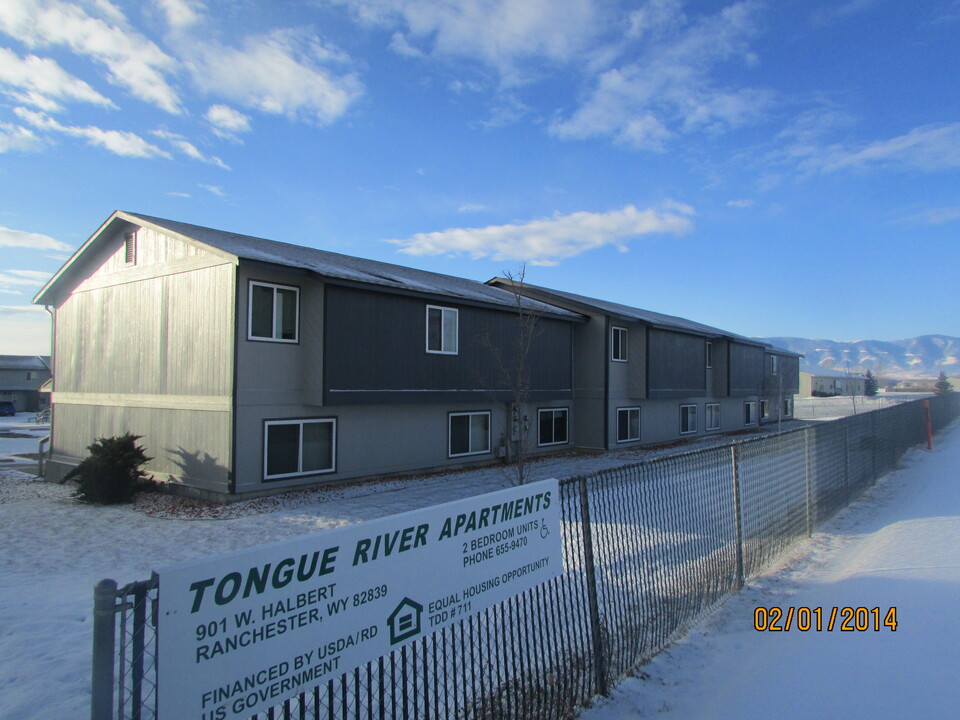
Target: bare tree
(511, 366)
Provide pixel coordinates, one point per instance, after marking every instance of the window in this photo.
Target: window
(469, 433)
(442, 330)
(688, 419)
(773, 364)
(553, 426)
(628, 424)
(130, 248)
(618, 344)
(750, 412)
(30, 375)
(298, 447)
(788, 407)
(764, 409)
(713, 416)
(709, 355)
(274, 312)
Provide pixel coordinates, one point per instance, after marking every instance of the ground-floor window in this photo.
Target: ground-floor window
(750, 412)
(552, 426)
(788, 407)
(299, 447)
(764, 409)
(713, 416)
(628, 424)
(469, 433)
(688, 419)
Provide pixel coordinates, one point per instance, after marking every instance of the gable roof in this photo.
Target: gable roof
(330, 265)
(654, 319)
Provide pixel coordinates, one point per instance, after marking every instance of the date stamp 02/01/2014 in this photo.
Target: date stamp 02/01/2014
(819, 619)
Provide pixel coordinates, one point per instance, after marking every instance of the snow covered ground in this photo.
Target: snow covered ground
(53, 550)
(899, 546)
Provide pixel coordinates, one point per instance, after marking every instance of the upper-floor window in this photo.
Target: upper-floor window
(30, 375)
(130, 248)
(709, 354)
(688, 419)
(442, 330)
(618, 344)
(773, 364)
(274, 313)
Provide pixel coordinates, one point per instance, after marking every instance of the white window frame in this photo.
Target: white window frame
(750, 407)
(471, 415)
(267, 424)
(456, 333)
(296, 323)
(614, 332)
(787, 408)
(764, 409)
(552, 412)
(689, 430)
(639, 425)
(709, 354)
(707, 411)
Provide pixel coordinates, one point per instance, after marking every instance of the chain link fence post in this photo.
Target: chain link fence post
(808, 473)
(596, 631)
(104, 635)
(738, 523)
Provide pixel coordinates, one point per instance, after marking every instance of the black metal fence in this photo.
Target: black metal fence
(648, 548)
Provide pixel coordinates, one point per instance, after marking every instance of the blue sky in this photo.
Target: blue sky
(769, 168)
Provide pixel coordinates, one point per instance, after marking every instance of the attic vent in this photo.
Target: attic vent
(130, 248)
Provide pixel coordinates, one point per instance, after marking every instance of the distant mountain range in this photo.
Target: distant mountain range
(920, 357)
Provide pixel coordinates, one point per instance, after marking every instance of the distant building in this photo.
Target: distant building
(20, 379)
(831, 385)
(921, 385)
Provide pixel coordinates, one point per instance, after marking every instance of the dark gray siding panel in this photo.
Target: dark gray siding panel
(375, 347)
(677, 364)
(788, 373)
(746, 369)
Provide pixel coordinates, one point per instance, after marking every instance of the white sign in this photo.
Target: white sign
(243, 632)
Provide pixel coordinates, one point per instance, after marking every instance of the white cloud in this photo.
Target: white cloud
(548, 241)
(502, 34)
(278, 73)
(180, 14)
(15, 137)
(933, 216)
(41, 82)
(37, 276)
(132, 60)
(928, 148)
(126, 144)
(35, 241)
(174, 193)
(226, 121)
(741, 204)
(189, 149)
(670, 89)
(214, 189)
(472, 207)
(28, 310)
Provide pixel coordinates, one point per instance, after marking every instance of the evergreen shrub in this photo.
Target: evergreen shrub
(112, 473)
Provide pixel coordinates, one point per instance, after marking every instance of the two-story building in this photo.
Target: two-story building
(20, 379)
(249, 365)
(642, 377)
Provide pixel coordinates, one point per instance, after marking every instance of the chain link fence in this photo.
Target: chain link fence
(648, 549)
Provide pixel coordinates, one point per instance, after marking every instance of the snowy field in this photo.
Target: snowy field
(53, 550)
(899, 546)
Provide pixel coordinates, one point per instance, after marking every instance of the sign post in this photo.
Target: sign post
(242, 632)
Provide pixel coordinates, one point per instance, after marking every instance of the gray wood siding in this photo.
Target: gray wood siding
(788, 373)
(376, 351)
(677, 364)
(746, 369)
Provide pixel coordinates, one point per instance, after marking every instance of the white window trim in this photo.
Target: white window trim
(300, 473)
(540, 413)
(450, 417)
(273, 314)
(752, 404)
(764, 409)
(456, 339)
(614, 330)
(696, 423)
(639, 424)
(707, 425)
